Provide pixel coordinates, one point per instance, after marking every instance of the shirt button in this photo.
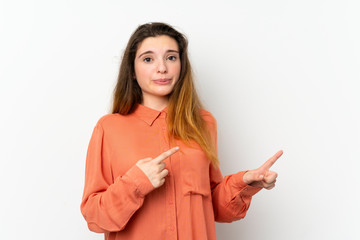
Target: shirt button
(165, 149)
(172, 228)
(171, 202)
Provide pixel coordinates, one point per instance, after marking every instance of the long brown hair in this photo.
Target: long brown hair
(184, 119)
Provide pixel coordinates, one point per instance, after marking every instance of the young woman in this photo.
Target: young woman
(152, 169)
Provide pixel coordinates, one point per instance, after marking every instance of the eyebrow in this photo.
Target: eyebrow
(168, 51)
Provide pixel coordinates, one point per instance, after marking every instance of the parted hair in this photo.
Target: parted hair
(184, 118)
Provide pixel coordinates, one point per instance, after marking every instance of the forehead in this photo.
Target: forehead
(157, 44)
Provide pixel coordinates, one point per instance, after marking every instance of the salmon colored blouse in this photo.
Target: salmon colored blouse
(121, 202)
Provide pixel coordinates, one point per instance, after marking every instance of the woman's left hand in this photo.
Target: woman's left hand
(262, 176)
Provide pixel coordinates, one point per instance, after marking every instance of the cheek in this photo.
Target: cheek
(142, 71)
(176, 68)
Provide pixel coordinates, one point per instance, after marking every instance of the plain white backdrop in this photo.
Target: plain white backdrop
(276, 74)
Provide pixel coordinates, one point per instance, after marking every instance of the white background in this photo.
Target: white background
(276, 74)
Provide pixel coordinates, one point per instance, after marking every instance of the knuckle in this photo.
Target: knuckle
(160, 182)
(270, 187)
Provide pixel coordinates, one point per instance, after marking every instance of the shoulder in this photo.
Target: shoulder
(109, 120)
(208, 118)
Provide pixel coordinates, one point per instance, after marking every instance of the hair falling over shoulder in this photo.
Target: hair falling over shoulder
(184, 119)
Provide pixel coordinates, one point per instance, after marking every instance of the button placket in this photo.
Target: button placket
(171, 221)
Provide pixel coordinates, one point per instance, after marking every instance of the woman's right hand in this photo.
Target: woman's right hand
(154, 168)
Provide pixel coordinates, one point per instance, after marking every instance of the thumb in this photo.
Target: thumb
(259, 177)
(145, 160)
(252, 176)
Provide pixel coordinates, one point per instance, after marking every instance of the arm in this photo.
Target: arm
(108, 205)
(231, 196)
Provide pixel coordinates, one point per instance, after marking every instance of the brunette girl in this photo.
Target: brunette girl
(152, 168)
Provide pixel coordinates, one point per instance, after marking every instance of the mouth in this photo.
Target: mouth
(162, 81)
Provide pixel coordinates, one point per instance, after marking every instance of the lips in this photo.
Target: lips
(162, 81)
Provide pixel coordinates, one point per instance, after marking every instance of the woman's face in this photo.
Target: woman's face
(157, 67)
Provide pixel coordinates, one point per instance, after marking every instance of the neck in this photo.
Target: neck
(154, 102)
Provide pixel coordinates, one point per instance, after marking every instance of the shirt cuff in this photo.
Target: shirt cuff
(244, 188)
(141, 181)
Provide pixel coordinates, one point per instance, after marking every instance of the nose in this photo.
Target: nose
(162, 68)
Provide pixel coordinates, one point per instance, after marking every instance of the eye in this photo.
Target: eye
(172, 58)
(147, 59)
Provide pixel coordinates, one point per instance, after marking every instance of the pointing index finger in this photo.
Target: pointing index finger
(271, 161)
(166, 154)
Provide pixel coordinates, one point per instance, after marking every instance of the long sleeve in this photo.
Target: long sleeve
(109, 202)
(231, 196)
(120, 201)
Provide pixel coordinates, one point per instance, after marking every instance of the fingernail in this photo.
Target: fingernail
(261, 176)
(177, 148)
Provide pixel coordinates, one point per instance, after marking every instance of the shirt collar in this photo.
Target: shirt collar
(147, 114)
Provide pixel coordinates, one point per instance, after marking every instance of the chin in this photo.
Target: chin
(163, 92)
